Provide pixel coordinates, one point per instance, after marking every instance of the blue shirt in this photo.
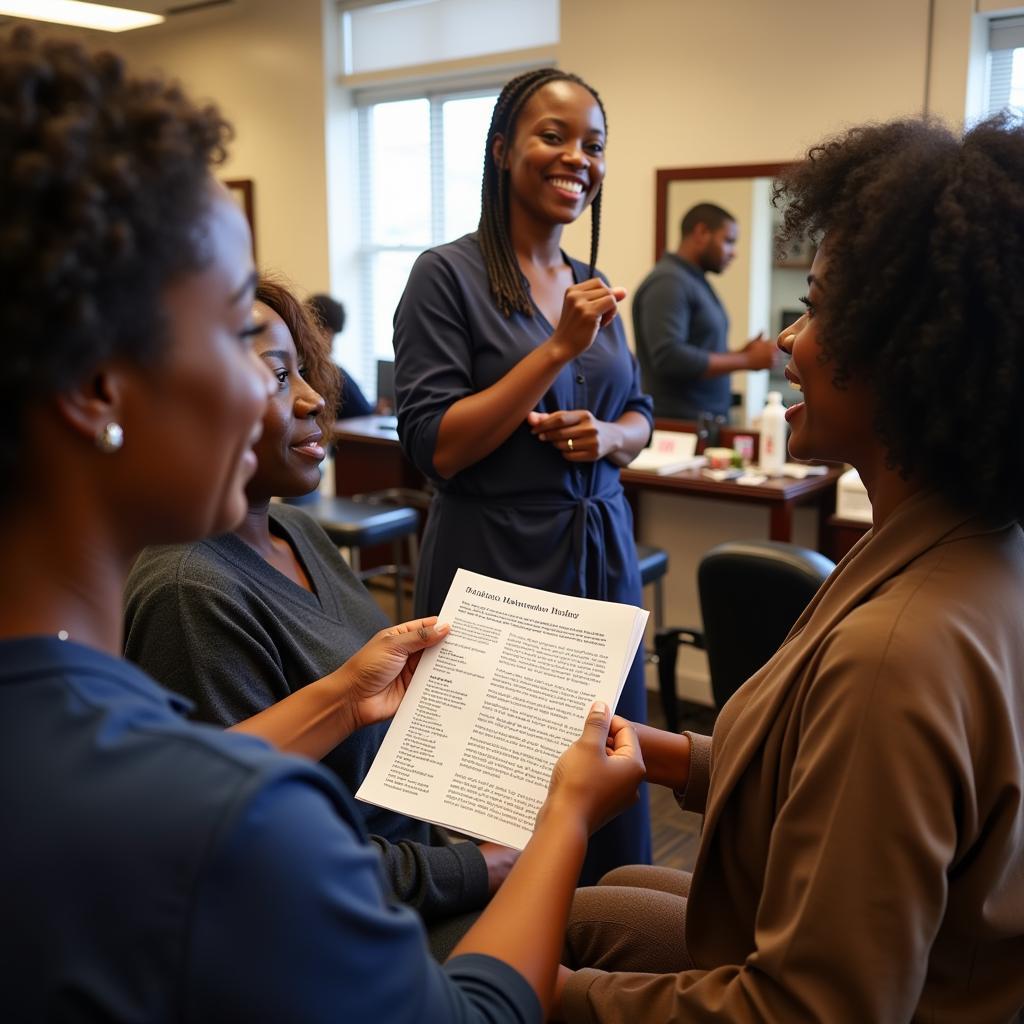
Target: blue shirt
(351, 400)
(142, 866)
(522, 513)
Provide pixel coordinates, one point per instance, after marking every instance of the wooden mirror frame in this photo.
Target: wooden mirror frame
(666, 175)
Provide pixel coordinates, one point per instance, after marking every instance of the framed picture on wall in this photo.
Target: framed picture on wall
(241, 190)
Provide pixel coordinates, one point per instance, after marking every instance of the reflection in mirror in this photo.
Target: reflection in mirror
(761, 287)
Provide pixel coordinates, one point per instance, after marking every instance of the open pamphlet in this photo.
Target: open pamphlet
(668, 452)
(490, 709)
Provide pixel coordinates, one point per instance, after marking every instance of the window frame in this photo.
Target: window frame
(369, 250)
(999, 61)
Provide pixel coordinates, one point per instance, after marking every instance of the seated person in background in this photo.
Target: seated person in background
(238, 622)
(862, 854)
(330, 317)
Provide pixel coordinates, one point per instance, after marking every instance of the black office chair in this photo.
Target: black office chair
(354, 524)
(751, 594)
(386, 384)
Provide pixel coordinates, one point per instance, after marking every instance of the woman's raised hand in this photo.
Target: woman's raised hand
(598, 776)
(375, 678)
(587, 308)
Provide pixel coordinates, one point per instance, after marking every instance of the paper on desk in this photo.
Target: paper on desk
(669, 451)
(491, 708)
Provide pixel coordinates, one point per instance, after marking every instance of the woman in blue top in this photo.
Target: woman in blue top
(516, 392)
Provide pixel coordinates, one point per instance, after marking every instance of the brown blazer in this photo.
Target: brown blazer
(862, 858)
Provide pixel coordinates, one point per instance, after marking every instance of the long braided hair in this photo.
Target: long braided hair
(503, 273)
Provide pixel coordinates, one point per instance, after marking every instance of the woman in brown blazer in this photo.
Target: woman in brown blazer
(862, 855)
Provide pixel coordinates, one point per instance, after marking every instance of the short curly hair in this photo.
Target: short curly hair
(923, 293)
(103, 181)
(313, 349)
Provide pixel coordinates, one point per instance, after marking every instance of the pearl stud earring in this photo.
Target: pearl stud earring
(110, 438)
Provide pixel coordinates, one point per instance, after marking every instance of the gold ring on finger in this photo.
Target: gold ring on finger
(570, 444)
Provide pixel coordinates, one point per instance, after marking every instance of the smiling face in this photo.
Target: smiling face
(555, 158)
(833, 424)
(190, 419)
(290, 449)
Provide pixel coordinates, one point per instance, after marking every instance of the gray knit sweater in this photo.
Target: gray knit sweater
(218, 624)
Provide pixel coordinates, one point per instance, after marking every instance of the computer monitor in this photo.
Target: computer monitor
(385, 384)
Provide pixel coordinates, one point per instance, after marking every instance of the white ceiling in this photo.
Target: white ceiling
(179, 14)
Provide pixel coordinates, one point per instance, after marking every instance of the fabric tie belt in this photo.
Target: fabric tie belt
(592, 514)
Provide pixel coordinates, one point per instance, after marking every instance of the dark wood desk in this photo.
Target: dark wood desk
(368, 458)
(780, 495)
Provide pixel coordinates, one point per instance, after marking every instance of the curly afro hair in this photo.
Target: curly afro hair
(311, 346)
(923, 294)
(103, 181)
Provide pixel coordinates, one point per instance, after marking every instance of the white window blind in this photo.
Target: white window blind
(421, 167)
(1005, 71)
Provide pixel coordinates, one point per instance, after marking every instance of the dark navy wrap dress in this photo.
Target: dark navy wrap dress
(523, 513)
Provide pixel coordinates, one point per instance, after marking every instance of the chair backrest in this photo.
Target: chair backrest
(751, 593)
(386, 381)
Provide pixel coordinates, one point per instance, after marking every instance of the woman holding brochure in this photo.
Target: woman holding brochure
(862, 854)
(516, 392)
(238, 622)
(166, 870)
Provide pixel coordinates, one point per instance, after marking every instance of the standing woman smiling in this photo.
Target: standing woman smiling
(517, 394)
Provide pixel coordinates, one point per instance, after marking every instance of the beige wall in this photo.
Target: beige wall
(265, 68)
(692, 82)
(685, 82)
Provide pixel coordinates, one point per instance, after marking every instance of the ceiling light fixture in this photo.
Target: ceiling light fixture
(80, 14)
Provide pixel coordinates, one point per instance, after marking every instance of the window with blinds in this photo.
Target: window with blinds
(421, 166)
(424, 75)
(1005, 70)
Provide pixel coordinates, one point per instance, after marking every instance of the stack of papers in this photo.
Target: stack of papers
(490, 708)
(669, 452)
(802, 470)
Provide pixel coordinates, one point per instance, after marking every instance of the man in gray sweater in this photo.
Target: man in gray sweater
(681, 327)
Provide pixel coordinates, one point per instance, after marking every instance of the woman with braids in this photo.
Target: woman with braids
(237, 622)
(154, 869)
(516, 392)
(862, 855)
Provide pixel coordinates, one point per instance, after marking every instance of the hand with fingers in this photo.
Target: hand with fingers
(587, 307)
(598, 776)
(761, 353)
(576, 433)
(375, 678)
(499, 861)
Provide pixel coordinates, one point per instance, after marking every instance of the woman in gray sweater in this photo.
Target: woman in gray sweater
(237, 622)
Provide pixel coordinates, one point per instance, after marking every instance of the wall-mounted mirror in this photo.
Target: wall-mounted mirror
(760, 289)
